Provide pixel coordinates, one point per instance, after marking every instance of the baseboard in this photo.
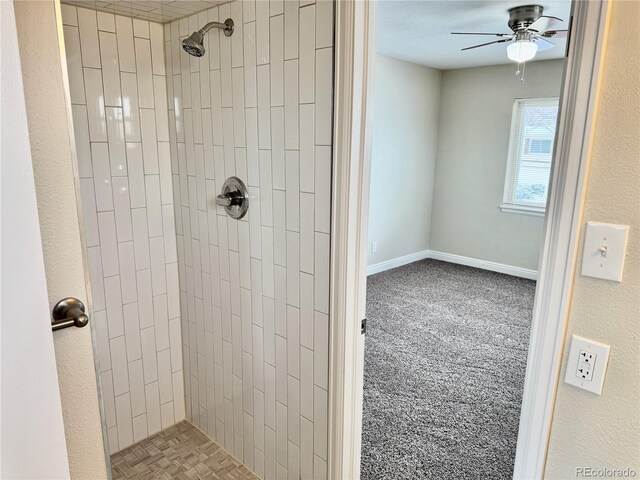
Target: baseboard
(451, 258)
(484, 264)
(397, 262)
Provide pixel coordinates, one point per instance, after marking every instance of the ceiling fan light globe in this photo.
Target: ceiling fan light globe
(522, 51)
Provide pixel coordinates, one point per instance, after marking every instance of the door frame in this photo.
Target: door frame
(353, 115)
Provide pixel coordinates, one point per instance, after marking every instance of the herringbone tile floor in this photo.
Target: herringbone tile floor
(179, 452)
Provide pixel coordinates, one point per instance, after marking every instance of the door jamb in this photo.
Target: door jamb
(354, 54)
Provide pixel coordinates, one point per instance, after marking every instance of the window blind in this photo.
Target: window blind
(533, 130)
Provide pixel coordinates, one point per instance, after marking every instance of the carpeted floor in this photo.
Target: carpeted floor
(445, 357)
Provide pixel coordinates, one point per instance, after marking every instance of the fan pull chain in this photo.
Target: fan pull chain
(521, 72)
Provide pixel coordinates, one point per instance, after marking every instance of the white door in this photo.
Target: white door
(32, 433)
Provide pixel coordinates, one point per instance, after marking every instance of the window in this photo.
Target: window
(533, 131)
(537, 145)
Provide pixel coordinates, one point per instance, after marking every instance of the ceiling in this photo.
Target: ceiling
(161, 11)
(420, 31)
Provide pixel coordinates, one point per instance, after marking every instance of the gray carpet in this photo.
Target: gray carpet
(445, 357)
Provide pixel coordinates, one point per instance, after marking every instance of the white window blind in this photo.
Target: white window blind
(533, 131)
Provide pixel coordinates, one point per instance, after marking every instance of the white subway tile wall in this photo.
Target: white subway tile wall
(254, 292)
(119, 102)
(253, 336)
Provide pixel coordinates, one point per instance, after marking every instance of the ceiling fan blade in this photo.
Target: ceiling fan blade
(492, 34)
(502, 40)
(555, 34)
(543, 44)
(543, 23)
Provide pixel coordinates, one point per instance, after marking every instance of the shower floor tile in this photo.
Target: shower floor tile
(179, 452)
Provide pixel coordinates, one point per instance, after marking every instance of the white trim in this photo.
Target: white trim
(562, 230)
(354, 53)
(484, 265)
(397, 262)
(354, 48)
(452, 258)
(522, 210)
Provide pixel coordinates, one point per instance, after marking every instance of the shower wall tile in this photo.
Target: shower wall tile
(81, 131)
(74, 62)
(95, 105)
(69, 14)
(106, 22)
(126, 52)
(87, 194)
(254, 291)
(88, 25)
(124, 419)
(140, 28)
(307, 49)
(110, 69)
(120, 114)
(140, 431)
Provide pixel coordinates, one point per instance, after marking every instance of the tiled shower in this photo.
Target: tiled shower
(197, 315)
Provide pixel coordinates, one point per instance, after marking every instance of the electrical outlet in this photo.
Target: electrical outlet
(374, 246)
(587, 364)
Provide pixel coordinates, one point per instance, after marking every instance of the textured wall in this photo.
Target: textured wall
(53, 168)
(603, 431)
(406, 109)
(119, 101)
(473, 145)
(254, 292)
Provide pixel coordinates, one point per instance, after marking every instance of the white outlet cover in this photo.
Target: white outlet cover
(599, 368)
(605, 247)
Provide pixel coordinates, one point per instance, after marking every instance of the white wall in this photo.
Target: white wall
(254, 292)
(473, 143)
(406, 110)
(119, 101)
(607, 426)
(39, 31)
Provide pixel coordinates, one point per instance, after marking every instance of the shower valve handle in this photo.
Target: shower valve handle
(223, 200)
(234, 198)
(228, 199)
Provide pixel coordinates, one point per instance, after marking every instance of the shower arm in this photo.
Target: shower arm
(211, 25)
(226, 26)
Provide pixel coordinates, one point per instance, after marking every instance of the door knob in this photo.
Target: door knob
(234, 198)
(68, 312)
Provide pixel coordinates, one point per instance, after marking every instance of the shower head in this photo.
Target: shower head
(194, 43)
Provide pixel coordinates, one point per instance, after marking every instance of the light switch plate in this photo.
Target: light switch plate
(587, 355)
(605, 248)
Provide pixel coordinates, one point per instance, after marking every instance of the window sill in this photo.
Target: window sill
(523, 210)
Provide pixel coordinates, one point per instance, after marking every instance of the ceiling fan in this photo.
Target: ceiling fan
(531, 31)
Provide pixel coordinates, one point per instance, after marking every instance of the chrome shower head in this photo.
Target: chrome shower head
(194, 43)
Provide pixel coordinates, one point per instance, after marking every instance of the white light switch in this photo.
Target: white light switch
(587, 364)
(605, 247)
